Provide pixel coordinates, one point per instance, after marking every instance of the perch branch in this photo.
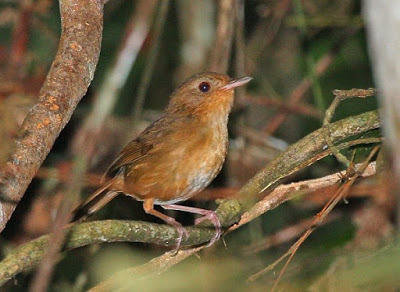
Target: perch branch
(229, 211)
(27, 256)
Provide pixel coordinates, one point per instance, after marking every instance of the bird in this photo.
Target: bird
(177, 156)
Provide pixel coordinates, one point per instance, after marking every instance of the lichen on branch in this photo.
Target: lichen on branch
(66, 83)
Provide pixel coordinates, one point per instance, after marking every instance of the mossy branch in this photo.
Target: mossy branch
(297, 156)
(305, 152)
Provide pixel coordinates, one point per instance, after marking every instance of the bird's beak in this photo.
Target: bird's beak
(236, 83)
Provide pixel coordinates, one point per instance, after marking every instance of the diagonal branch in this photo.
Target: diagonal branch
(303, 153)
(66, 83)
(124, 279)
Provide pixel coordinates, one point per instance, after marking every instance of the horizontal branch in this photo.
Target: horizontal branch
(28, 255)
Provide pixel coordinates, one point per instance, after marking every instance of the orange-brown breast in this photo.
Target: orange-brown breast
(181, 164)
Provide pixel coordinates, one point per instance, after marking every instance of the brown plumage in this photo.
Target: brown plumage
(178, 155)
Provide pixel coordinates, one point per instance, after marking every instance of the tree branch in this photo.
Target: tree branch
(297, 156)
(66, 83)
(305, 152)
(123, 279)
(284, 193)
(27, 256)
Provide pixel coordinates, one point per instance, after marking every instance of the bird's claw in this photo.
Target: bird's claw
(182, 232)
(212, 216)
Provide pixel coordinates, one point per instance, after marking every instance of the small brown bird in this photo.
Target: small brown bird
(177, 156)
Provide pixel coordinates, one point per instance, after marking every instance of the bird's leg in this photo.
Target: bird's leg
(207, 214)
(148, 206)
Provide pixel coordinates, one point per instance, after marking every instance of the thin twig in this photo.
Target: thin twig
(339, 195)
(341, 95)
(284, 235)
(284, 193)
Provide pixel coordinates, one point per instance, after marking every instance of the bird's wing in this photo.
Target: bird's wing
(131, 153)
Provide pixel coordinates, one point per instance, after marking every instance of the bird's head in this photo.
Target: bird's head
(205, 92)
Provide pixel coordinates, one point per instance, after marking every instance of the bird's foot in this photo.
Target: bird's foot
(212, 216)
(207, 214)
(182, 232)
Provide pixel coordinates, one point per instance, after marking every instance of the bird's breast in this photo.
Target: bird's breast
(179, 166)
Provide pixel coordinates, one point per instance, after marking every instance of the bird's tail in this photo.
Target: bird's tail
(95, 202)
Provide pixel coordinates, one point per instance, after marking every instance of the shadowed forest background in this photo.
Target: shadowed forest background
(298, 53)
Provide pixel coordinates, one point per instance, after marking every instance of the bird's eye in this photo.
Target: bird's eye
(204, 86)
